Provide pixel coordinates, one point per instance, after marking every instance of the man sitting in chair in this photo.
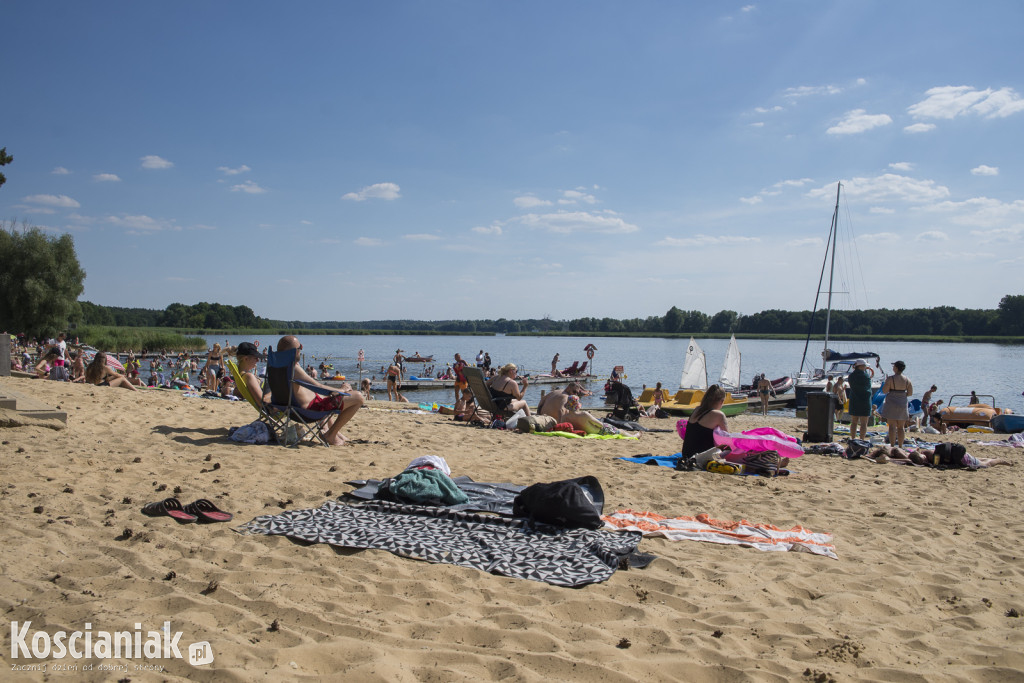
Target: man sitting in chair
(348, 405)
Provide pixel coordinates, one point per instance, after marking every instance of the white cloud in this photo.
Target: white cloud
(249, 187)
(705, 240)
(574, 196)
(106, 178)
(491, 230)
(60, 170)
(234, 171)
(806, 242)
(141, 224)
(768, 110)
(901, 166)
(985, 170)
(59, 200)
(154, 162)
(751, 200)
(858, 121)
(919, 128)
(880, 238)
(999, 234)
(806, 90)
(932, 236)
(983, 212)
(950, 101)
(566, 222)
(748, 8)
(40, 210)
(528, 201)
(882, 210)
(757, 124)
(421, 237)
(367, 242)
(886, 187)
(386, 191)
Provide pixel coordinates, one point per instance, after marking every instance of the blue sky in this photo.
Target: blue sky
(434, 160)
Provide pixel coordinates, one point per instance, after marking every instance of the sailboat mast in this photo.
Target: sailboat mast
(832, 270)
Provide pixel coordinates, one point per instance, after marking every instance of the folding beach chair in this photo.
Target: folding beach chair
(269, 415)
(482, 394)
(305, 423)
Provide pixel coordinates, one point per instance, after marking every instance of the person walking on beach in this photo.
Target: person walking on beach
(394, 380)
(460, 379)
(860, 397)
(897, 390)
(764, 390)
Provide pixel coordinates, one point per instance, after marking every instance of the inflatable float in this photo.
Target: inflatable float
(760, 439)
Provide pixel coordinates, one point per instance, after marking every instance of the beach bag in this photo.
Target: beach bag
(856, 448)
(59, 373)
(949, 455)
(572, 503)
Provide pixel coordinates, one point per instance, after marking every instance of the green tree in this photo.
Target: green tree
(723, 321)
(5, 159)
(673, 321)
(1011, 314)
(40, 281)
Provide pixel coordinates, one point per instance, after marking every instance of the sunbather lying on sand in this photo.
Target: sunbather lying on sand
(923, 456)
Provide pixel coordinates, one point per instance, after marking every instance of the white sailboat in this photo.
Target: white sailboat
(695, 369)
(730, 377)
(694, 382)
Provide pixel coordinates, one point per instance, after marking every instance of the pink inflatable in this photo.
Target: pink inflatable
(760, 439)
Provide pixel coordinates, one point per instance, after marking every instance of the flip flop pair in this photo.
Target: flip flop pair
(202, 511)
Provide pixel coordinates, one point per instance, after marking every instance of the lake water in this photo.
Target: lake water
(994, 369)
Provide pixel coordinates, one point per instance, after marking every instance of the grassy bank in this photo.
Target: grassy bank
(138, 338)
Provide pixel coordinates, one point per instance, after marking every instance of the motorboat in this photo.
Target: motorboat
(780, 385)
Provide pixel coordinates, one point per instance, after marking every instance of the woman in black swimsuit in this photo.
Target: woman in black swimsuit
(700, 427)
(505, 390)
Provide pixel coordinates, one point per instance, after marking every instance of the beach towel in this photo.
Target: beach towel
(254, 433)
(483, 496)
(764, 537)
(573, 435)
(759, 439)
(422, 487)
(515, 548)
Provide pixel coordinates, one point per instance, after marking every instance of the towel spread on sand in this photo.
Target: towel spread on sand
(571, 435)
(703, 528)
(482, 496)
(506, 547)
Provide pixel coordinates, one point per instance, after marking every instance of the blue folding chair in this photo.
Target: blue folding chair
(295, 419)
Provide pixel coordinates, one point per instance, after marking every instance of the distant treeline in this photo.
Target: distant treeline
(1006, 320)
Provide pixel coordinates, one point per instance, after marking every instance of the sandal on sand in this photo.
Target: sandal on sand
(170, 507)
(207, 511)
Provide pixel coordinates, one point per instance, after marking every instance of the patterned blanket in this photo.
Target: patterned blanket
(503, 546)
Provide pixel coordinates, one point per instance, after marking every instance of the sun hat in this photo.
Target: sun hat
(247, 349)
(859, 362)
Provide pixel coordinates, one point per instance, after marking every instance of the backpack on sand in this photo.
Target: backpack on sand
(572, 503)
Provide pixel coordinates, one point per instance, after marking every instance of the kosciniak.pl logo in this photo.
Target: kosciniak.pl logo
(89, 644)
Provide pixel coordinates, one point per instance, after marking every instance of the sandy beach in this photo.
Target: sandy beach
(926, 587)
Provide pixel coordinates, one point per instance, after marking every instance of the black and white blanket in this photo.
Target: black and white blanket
(508, 547)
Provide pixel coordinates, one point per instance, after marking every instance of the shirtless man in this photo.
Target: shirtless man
(563, 405)
(310, 400)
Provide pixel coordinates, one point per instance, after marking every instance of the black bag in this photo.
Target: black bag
(856, 448)
(949, 455)
(572, 503)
